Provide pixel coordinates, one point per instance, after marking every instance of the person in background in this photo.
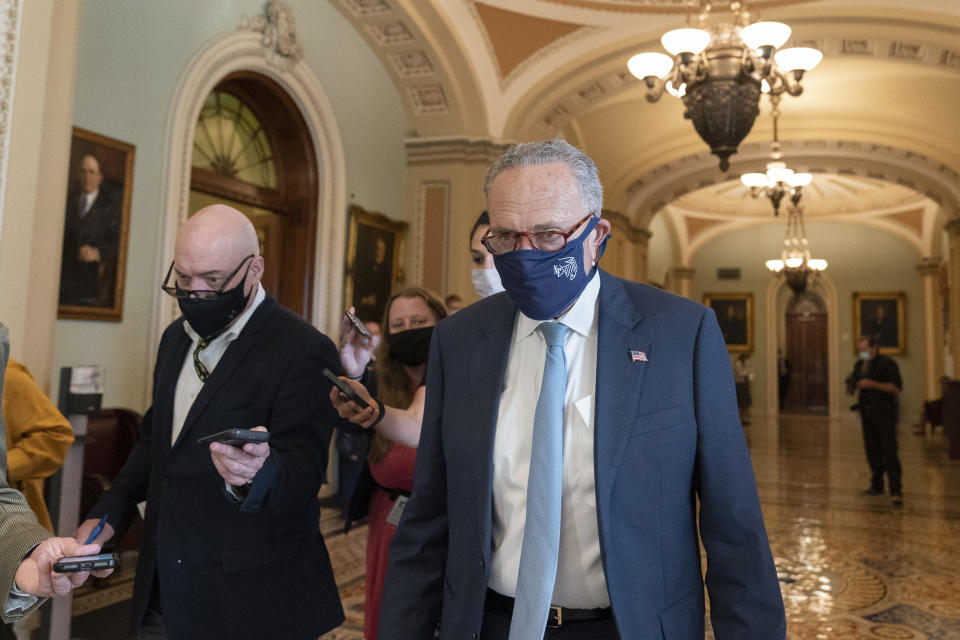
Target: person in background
(579, 433)
(38, 437)
(877, 377)
(27, 552)
(454, 303)
(229, 530)
(398, 377)
(784, 370)
(486, 280)
(741, 378)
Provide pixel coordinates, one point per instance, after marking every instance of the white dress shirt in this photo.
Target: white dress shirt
(580, 579)
(189, 383)
(87, 200)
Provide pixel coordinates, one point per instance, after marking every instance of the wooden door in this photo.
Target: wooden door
(807, 353)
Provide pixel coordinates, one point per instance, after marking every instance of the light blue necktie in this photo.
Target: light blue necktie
(541, 533)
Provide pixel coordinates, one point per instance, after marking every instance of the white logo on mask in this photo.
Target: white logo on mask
(566, 267)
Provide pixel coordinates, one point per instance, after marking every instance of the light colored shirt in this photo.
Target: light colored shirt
(87, 201)
(580, 579)
(189, 383)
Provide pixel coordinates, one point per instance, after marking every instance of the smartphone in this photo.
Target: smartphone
(346, 389)
(87, 563)
(236, 437)
(358, 325)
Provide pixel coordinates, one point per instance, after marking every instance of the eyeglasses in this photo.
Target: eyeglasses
(497, 243)
(203, 294)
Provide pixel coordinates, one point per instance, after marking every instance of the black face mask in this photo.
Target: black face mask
(208, 317)
(411, 347)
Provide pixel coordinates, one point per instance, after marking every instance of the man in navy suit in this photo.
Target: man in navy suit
(231, 547)
(649, 432)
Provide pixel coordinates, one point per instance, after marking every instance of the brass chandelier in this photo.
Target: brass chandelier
(795, 262)
(778, 180)
(719, 70)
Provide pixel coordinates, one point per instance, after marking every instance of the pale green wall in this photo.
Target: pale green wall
(130, 54)
(861, 259)
(659, 251)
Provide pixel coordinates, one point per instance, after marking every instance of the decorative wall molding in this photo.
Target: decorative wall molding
(282, 47)
(243, 50)
(664, 184)
(439, 150)
(9, 46)
(428, 100)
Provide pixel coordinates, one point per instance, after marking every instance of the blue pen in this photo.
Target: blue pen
(97, 529)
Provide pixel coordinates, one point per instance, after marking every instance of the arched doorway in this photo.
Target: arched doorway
(806, 351)
(252, 150)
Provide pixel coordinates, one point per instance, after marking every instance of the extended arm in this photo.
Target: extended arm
(301, 424)
(400, 425)
(745, 600)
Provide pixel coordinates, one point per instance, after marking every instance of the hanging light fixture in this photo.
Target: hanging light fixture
(795, 262)
(778, 180)
(719, 71)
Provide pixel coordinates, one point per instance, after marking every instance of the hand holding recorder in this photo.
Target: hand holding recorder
(352, 401)
(356, 345)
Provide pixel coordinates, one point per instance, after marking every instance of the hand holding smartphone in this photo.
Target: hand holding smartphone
(236, 437)
(358, 325)
(346, 389)
(100, 561)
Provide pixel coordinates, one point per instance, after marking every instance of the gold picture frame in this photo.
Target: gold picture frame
(735, 316)
(375, 246)
(884, 315)
(96, 225)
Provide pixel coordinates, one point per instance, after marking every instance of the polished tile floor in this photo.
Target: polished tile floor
(854, 566)
(851, 566)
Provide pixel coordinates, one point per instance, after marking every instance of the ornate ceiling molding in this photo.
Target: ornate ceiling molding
(658, 6)
(281, 47)
(934, 51)
(9, 45)
(422, 151)
(668, 182)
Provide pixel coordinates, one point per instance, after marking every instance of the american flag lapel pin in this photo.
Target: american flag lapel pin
(638, 356)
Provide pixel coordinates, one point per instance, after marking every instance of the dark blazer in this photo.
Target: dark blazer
(666, 433)
(227, 569)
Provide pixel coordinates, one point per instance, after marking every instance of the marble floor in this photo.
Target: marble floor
(851, 566)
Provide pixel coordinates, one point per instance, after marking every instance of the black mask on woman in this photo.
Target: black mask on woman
(411, 347)
(210, 316)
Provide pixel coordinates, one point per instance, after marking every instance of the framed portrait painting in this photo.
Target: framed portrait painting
(882, 315)
(96, 227)
(735, 317)
(374, 262)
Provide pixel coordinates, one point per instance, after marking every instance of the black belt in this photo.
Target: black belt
(558, 615)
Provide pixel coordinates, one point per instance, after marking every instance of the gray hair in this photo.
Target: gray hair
(531, 154)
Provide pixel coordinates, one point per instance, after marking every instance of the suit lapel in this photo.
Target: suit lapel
(619, 380)
(488, 366)
(167, 391)
(232, 357)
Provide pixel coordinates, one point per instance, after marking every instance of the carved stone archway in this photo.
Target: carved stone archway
(255, 50)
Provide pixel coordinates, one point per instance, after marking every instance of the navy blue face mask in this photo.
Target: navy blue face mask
(544, 283)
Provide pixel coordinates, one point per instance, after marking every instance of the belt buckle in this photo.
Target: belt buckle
(556, 613)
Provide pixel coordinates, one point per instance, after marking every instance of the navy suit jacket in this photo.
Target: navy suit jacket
(666, 433)
(226, 569)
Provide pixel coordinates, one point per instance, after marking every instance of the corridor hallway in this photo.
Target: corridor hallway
(853, 566)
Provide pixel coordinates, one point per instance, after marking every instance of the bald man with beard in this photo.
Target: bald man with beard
(231, 547)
